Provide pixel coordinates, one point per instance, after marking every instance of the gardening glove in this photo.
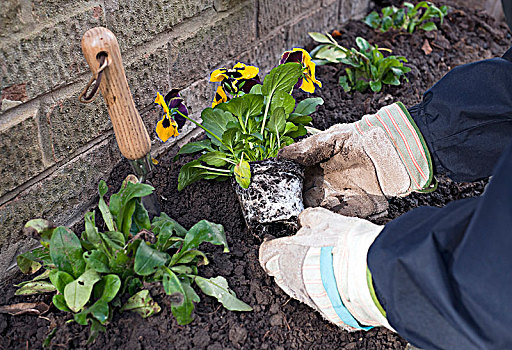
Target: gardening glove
(352, 168)
(324, 266)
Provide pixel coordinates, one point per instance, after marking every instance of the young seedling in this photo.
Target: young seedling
(254, 124)
(408, 18)
(92, 272)
(367, 65)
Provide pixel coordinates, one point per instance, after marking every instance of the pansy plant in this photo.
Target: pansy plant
(104, 271)
(366, 65)
(255, 122)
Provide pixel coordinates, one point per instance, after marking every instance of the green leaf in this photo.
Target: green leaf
(283, 77)
(256, 89)
(194, 147)
(99, 310)
(97, 260)
(105, 211)
(122, 204)
(230, 139)
(91, 232)
(141, 217)
(40, 277)
(343, 81)
(27, 265)
(290, 127)
(245, 106)
(40, 255)
(215, 158)
(376, 86)
(308, 106)
(148, 260)
(60, 279)
(205, 231)
(189, 173)
(301, 131)
(141, 303)
(242, 173)
(284, 100)
(40, 228)
(66, 251)
(113, 239)
(319, 37)
(78, 292)
(183, 307)
(329, 53)
(36, 287)
(363, 44)
(372, 20)
(60, 303)
(428, 26)
(110, 285)
(391, 79)
(160, 222)
(218, 288)
(188, 256)
(277, 121)
(300, 119)
(216, 120)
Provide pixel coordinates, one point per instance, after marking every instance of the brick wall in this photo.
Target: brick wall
(54, 150)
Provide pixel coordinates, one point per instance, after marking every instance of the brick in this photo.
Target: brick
(266, 54)
(359, 9)
(21, 154)
(321, 20)
(67, 124)
(193, 58)
(49, 57)
(272, 14)
(64, 195)
(353, 9)
(148, 74)
(139, 21)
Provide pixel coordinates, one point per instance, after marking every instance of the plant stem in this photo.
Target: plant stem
(212, 169)
(266, 112)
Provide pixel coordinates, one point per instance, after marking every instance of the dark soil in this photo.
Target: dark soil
(277, 322)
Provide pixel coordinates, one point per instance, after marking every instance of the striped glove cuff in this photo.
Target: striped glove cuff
(405, 136)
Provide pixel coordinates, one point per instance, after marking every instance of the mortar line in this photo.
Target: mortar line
(69, 12)
(52, 169)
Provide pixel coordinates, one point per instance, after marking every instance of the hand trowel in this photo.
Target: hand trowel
(101, 50)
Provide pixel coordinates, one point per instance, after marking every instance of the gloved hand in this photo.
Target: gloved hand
(352, 168)
(324, 266)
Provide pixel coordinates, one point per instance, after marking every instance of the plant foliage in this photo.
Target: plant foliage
(408, 18)
(251, 126)
(367, 65)
(90, 274)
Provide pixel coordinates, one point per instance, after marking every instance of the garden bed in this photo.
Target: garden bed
(277, 321)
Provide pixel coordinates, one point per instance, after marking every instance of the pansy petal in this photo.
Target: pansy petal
(218, 75)
(173, 98)
(247, 72)
(220, 96)
(246, 85)
(160, 100)
(307, 85)
(166, 128)
(284, 57)
(180, 120)
(295, 56)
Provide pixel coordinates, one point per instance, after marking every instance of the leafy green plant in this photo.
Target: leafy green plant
(368, 67)
(253, 125)
(408, 18)
(90, 274)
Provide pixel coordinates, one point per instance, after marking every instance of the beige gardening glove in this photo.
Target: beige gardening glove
(324, 266)
(352, 169)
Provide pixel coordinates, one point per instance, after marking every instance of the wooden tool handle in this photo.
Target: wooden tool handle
(131, 135)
